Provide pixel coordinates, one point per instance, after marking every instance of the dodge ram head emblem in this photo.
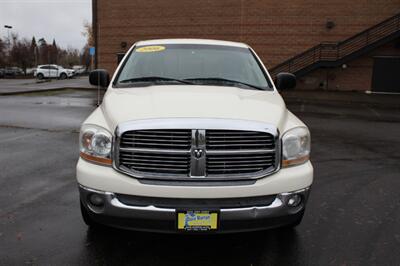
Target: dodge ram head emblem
(198, 153)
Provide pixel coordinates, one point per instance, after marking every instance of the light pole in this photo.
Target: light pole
(8, 27)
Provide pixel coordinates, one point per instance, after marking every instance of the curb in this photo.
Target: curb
(334, 102)
(43, 90)
(348, 98)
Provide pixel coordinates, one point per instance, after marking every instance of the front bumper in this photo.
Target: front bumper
(105, 178)
(150, 217)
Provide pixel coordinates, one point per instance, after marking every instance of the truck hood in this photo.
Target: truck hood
(182, 101)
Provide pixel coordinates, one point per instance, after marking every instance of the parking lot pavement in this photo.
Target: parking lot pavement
(352, 217)
(17, 86)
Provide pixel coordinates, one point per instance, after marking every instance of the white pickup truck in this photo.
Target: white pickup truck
(193, 136)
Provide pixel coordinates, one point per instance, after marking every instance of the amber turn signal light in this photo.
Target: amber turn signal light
(100, 160)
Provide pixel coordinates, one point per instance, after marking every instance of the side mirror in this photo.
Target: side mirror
(99, 77)
(285, 81)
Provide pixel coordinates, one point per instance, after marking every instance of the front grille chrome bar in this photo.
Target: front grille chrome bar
(155, 150)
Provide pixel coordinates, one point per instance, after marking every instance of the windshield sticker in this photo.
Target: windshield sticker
(150, 49)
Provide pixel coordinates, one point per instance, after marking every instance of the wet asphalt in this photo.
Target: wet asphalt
(17, 86)
(352, 218)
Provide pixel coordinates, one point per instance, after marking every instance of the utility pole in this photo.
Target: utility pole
(8, 27)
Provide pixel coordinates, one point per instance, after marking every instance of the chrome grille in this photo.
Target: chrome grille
(225, 164)
(157, 139)
(238, 152)
(155, 162)
(238, 140)
(147, 151)
(211, 150)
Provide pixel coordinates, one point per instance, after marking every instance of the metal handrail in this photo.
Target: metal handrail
(332, 52)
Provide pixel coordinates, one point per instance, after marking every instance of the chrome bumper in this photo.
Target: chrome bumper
(160, 219)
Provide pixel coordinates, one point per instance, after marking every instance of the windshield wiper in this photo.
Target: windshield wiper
(226, 80)
(154, 78)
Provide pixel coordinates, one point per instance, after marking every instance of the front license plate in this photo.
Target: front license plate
(197, 220)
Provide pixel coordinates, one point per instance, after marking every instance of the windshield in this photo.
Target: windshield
(199, 64)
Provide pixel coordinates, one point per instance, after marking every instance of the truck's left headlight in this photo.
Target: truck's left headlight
(296, 144)
(95, 144)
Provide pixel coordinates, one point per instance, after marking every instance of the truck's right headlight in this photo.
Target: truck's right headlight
(95, 144)
(295, 146)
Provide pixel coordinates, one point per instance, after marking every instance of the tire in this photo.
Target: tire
(40, 76)
(295, 223)
(63, 76)
(86, 217)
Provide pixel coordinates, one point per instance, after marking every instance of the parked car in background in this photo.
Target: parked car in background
(71, 71)
(13, 71)
(30, 71)
(79, 69)
(53, 71)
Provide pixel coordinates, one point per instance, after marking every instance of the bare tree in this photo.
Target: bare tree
(34, 52)
(2, 52)
(25, 53)
(20, 53)
(44, 57)
(88, 34)
(53, 50)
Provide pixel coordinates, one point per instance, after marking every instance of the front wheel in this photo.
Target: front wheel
(40, 76)
(63, 76)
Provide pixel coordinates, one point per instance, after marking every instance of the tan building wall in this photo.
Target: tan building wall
(277, 30)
